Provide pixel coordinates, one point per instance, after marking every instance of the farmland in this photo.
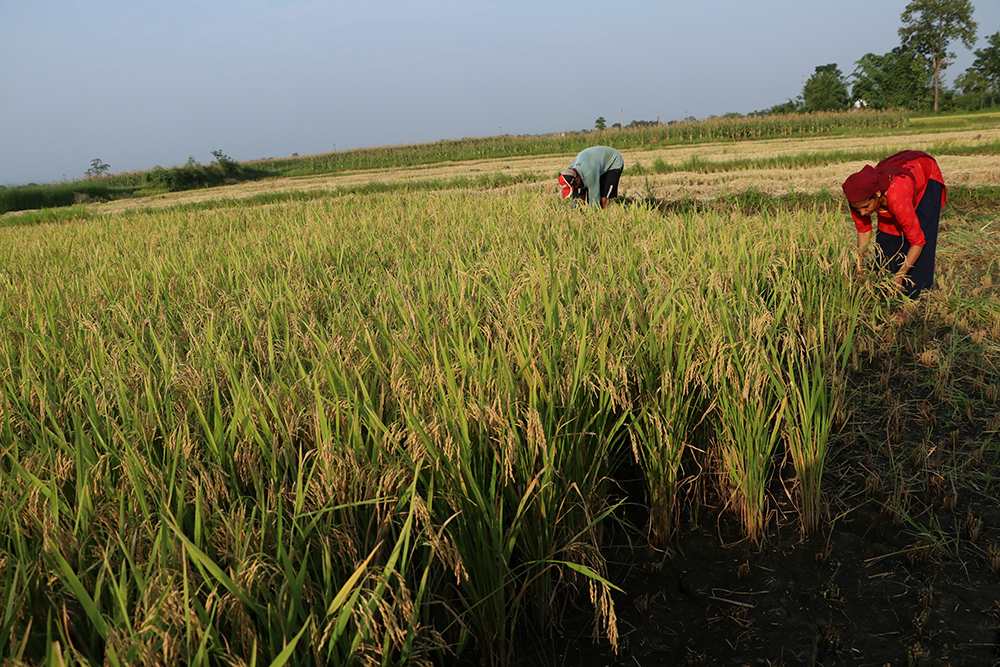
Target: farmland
(312, 421)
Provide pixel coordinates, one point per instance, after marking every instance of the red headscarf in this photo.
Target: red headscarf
(566, 179)
(864, 184)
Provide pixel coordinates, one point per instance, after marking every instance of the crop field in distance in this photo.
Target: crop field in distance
(433, 415)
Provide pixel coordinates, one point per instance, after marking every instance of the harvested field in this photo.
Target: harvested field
(971, 171)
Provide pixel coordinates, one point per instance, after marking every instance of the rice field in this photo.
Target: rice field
(391, 427)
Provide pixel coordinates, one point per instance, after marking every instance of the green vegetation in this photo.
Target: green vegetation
(46, 216)
(983, 78)
(894, 80)
(98, 168)
(929, 26)
(955, 120)
(26, 197)
(640, 137)
(909, 76)
(825, 90)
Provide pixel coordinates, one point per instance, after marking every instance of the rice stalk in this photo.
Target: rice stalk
(669, 367)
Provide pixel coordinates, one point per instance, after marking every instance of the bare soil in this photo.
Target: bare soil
(906, 571)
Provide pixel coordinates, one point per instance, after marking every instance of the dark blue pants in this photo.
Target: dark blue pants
(609, 183)
(894, 248)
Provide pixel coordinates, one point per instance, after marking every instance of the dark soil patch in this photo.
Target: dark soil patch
(906, 572)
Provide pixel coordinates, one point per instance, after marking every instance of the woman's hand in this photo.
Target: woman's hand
(863, 239)
(911, 257)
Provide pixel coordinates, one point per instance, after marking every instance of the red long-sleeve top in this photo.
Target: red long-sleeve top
(904, 194)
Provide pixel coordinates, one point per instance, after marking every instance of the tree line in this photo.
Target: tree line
(909, 76)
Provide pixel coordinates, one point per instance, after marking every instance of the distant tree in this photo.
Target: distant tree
(974, 89)
(987, 65)
(895, 79)
(98, 168)
(826, 89)
(600, 123)
(791, 106)
(930, 25)
(227, 163)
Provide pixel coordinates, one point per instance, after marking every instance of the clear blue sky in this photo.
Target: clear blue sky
(139, 84)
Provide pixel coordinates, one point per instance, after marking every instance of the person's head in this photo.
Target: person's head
(864, 189)
(868, 206)
(570, 181)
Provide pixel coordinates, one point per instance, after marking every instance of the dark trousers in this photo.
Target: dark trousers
(894, 248)
(609, 183)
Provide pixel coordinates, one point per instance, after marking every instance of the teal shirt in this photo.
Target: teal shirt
(592, 163)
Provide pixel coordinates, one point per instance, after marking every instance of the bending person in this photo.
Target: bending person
(907, 192)
(594, 175)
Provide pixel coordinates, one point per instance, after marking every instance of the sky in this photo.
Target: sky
(138, 83)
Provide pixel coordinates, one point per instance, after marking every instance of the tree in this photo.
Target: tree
(897, 79)
(98, 168)
(987, 65)
(791, 106)
(826, 90)
(930, 25)
(974, 89)
(600, 123)
(228, 165)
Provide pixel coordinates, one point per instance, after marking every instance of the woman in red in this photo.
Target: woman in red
(907, 192)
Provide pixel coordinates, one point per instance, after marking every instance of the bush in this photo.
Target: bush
(229, 167)
(32, 196)
(189, 177)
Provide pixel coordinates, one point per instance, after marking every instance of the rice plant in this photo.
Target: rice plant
(381, 427)
(669, 368)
